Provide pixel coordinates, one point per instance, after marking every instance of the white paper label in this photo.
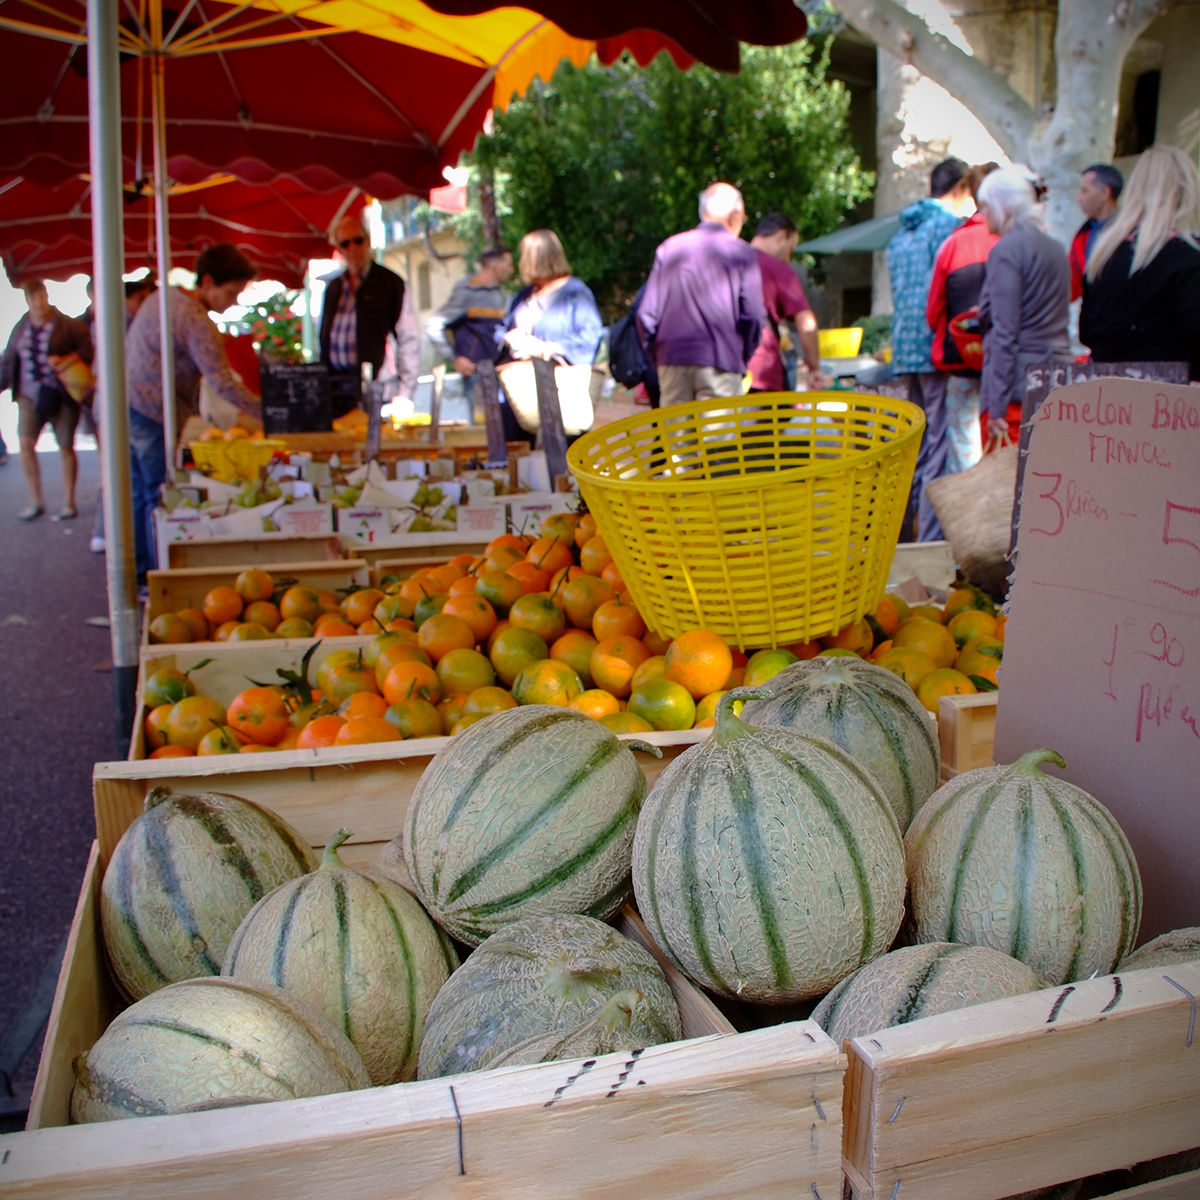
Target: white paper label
(485, 520)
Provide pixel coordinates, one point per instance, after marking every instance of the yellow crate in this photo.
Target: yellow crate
(840, 343)
(240, 459)
(772, 519)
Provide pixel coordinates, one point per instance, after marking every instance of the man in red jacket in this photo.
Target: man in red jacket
(1100, 188)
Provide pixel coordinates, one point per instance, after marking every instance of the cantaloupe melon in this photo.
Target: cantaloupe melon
(767, 864)
(362, 950)
(1027, 864)
(545, 988)
(1177, 946)
(181, 879)
(871, 713)
(530, 812)
(919, 981)
(209, 1043)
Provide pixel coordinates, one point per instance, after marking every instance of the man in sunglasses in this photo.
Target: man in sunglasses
(364, 306)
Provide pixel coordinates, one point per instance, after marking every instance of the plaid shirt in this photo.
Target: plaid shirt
(924, 226)
(343, 334)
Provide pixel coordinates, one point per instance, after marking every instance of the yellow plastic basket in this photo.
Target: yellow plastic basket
(769, 520)
(240, 459)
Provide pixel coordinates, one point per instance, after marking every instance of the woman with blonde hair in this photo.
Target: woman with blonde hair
(1141, 294)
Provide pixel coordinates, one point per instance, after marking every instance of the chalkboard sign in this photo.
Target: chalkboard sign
(295, 398)
(1102, 645)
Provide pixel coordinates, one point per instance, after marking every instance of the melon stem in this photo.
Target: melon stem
(1028, 764)
(728, 724)
(330, 860)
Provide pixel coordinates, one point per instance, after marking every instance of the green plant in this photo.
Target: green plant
(276, 330)
(877, 332)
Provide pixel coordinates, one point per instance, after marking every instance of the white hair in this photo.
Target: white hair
(1013, 193)
(719, 201)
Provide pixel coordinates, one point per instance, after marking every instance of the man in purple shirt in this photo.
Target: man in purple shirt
(702, 313)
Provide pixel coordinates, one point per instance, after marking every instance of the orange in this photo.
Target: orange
(398, 624)
(971, 623)
(653, 668)
(253, 584)
(1001, 622)
(931, 639)
(945, 681)
(300, 602)
(289, 740)
(444, 632)
(334, 659)
(736, 676)
(575, 649)
(360, 731)
(413, 678)
(626, 722)
(463, 562)
(539, 614)
(222, 631)
(360, 605)
(222, 604)
(515, 649)
(981, 656)
(838, 652)
(475, 610)
(595, 703)
(500, 589)
(446, 574)
(585, 530)
(415, 717)
(617, 616)
(218, 741)
(155, 725)
(858, 637)
(504, 557)
(412, 590)
(451, 708)
(514, 540)
(595, 555)
(547, 682)
(170, 630)
(325, 619)
(255, 748)
(613, 577)
(197, 622)
(466, 721)
(464, 670)
(655, 642)
(531, 578)
(264, 613)
(190, 719)
(463, 586)
(329, 602)
(560, 579)
(560, 525)
(582, 597)
(766, 664)
(259, 714)
(804, 650)
(485, 701)
(384, 641)
(551, 554)
(294, 627)
(664, 704)
(965, 598)
(248, 631)
(501, 626)
(172, 752)
(369, 628)
(911, 665)
(428, 606)
(930, 612)
(700, 661)
(887, 615)
(334, 627)
(614, 661)
(320, 731)
(392, 656)
(880, 650)
(706, 710)
(363, 704)
(347, 678)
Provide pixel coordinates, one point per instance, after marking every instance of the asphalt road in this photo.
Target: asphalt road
(57, 720)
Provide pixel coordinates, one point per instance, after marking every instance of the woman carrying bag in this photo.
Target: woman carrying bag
(553, 317)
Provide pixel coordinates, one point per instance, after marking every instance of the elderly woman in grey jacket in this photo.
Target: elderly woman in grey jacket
(1026, 292)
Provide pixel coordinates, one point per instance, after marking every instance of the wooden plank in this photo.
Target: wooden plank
(260, 551)
(84, 1003)
(966, 728)
(754, 1116)
(405, 547)
(1023, 1093)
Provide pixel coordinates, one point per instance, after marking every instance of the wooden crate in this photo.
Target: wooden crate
(966, 730)
(1024, 1093)
(399, 548)
(260, 551)
(169, 591)
(722, 1117)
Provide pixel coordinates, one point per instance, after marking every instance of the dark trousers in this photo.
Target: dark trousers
(147, 471)
(928, 391)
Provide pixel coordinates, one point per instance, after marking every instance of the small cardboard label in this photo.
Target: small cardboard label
(485, 520)
(364, 524)
(530, 510)
(300, 520)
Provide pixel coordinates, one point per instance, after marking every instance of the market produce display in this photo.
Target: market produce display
(1176, 946)
(181, 879)
(546, 988)
(768, 864)
(361, 950)
(529, 813)
(919, 981)
(208, 1043)
(1028, 864)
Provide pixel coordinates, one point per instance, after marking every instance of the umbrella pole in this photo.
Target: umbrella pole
(108, 253)
(158, 124)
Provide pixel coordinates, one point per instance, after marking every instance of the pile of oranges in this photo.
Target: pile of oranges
(532, 621)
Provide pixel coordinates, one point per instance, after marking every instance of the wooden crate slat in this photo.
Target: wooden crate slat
(262, 551)
(1024, 1093)
(966, 729)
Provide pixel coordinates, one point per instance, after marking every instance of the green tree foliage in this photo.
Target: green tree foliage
(613, 158)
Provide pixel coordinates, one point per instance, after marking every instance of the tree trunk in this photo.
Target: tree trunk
(487, 210)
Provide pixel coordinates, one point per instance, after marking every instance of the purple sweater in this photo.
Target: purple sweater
(703, 305)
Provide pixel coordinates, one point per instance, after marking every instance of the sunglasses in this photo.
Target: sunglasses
(354, 241)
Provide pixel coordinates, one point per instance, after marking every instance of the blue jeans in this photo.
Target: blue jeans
(928, 390)
(147, 471)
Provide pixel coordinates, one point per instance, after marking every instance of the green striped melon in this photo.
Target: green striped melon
(212, 1043)
(390, 864)
(181, 879)
(767, 864)
(546, 988)
(872, 714)
(362, 950)
(530, 812)
(1027, 864)
(920, 981)
(1177, 946)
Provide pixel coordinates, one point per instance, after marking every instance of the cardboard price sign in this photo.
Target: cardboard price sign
(1102, 649)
